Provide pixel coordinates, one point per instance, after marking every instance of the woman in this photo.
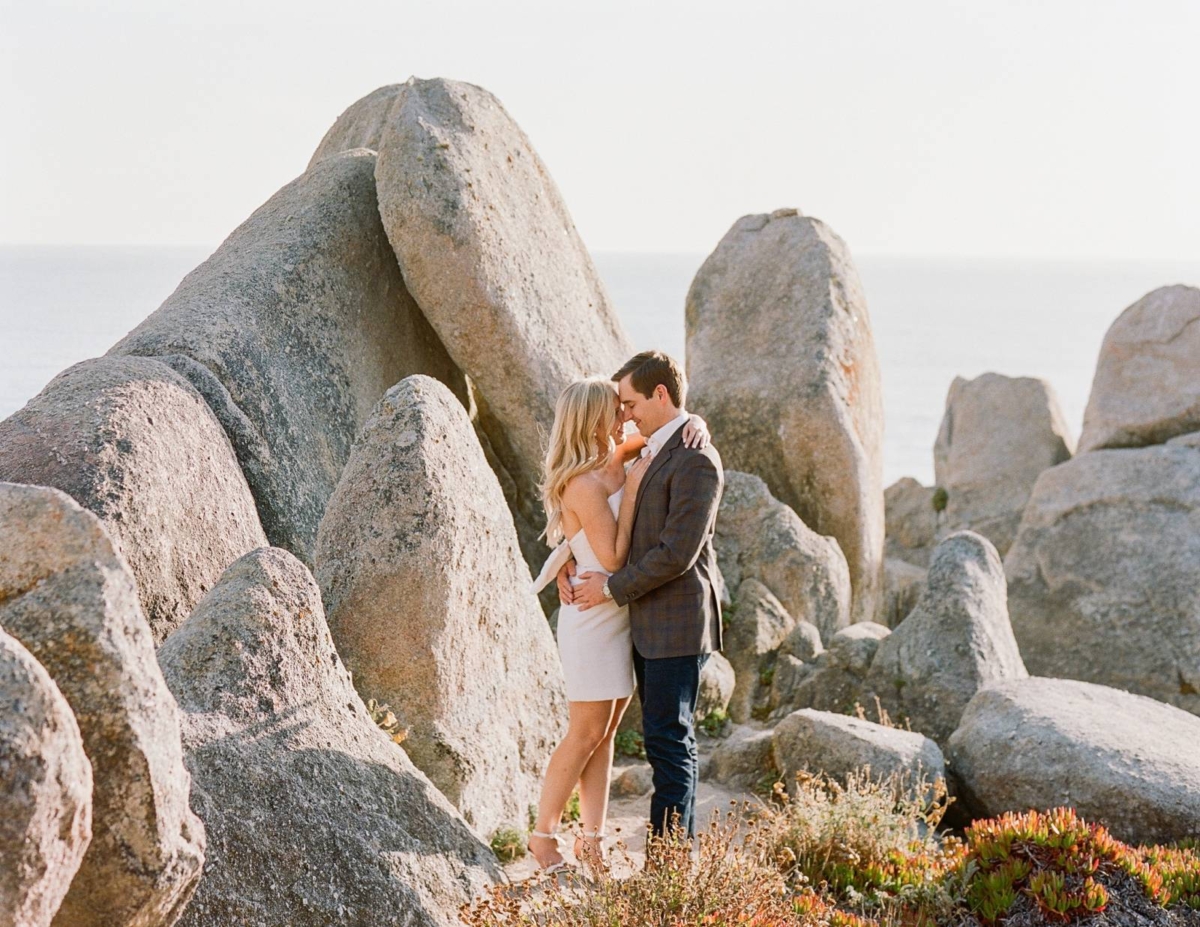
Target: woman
(589, 501)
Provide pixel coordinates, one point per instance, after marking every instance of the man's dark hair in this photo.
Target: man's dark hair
(651, 368)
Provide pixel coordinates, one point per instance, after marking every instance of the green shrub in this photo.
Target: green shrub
(940, 498)
(714, 722)
(630, 743)
(508, 843)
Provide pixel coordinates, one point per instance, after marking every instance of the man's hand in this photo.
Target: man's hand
(566, 592)
(591, 592)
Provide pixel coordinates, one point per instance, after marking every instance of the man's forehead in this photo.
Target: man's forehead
(625, 389)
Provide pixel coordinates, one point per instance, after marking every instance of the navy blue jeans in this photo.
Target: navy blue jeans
(667, 690)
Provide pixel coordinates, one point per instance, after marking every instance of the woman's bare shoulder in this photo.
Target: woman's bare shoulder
(583, 488)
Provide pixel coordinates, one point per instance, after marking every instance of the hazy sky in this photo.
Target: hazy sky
(1049, 128)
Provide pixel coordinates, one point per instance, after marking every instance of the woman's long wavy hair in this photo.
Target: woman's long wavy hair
(584, 409)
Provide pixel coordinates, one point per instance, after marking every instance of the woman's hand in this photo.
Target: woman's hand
(695, 432)
(633, 478)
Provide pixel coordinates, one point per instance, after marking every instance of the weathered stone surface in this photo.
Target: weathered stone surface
(361, 125)
(429, 603)
(490, 253)
(912, 521)
(758, 537)
(754, 631)
(743, 758)
(998, 434)
(837, 745)
(804, 641)
(45, 791)
(1147, 383)
(130, 439)
(1121, 760)
(1102, 579)
(69, 597)
(632, 781)
(834, 680)
(716, 686)
(903, 585)
(314, 816)
(782, 364)
(294, 328)
(957, 640)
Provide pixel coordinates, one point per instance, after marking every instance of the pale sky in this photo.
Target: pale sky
(1030, 129)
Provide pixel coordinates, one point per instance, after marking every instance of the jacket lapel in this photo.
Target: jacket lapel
(655, 465)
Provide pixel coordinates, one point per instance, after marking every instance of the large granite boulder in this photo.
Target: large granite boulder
(429, 602)
(1102, 580)
(490, 253)
(755, 629)
(132, 441)
(314, 816)
(361, 125)
(45, 791)
(1147, 383)
(782, 364)
(716, 686)
(1121, 760)
(836, 745)
(70, 599)
(998, 434)
(292, 331)
(743, 759)
(758, 537)
(913, 520)
(957, 640)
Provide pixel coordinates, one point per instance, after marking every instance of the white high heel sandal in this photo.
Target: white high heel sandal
(554, 868)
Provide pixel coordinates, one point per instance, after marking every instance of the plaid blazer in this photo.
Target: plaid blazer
(670, 582)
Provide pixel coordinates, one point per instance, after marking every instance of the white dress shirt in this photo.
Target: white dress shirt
(655, 442)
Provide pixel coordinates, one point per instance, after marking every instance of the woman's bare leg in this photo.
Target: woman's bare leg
(597, 776)
(589, 724)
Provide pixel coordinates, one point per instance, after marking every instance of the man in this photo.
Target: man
(669, 582)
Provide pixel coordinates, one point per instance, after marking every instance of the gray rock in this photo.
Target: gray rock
(788, 673)
(758, 537)
(45, 791)
(782, 363)
(912, 521)
(836, 679)
(314, 816)
(803, 642)
(130, 439)
(1147, 384)
(361, 125)
(632, 781)
(957, 640)
(754, 631)
(716, 686)
(997, 435)
(903, 585)
(294, 328)
(1102, 579)
(835, 745)
(1121, 760)
(69, 597)
(430, 605)
(743, 758)
(490, 253)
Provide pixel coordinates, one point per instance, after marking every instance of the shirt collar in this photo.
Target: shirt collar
(656, 441)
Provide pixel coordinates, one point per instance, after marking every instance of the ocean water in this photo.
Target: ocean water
(933, 319)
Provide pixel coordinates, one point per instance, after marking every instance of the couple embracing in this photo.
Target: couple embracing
(637, 579)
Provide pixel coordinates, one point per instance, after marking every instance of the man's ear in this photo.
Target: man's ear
(660, 392)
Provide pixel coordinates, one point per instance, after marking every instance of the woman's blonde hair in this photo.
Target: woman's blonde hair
(584, 409)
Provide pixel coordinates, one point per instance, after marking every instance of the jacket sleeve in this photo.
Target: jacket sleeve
(692, 505)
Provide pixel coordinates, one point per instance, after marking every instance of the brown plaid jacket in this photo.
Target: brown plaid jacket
(670, 582)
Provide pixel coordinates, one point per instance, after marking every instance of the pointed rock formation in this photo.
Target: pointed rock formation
(430, 605)
(292, 331)
(361, 125)
(998, 434)
(782, 365)
(314, 816)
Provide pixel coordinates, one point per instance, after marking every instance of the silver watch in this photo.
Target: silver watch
(607, 592)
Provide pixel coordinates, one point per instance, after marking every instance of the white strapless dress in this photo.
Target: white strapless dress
(595, 645)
